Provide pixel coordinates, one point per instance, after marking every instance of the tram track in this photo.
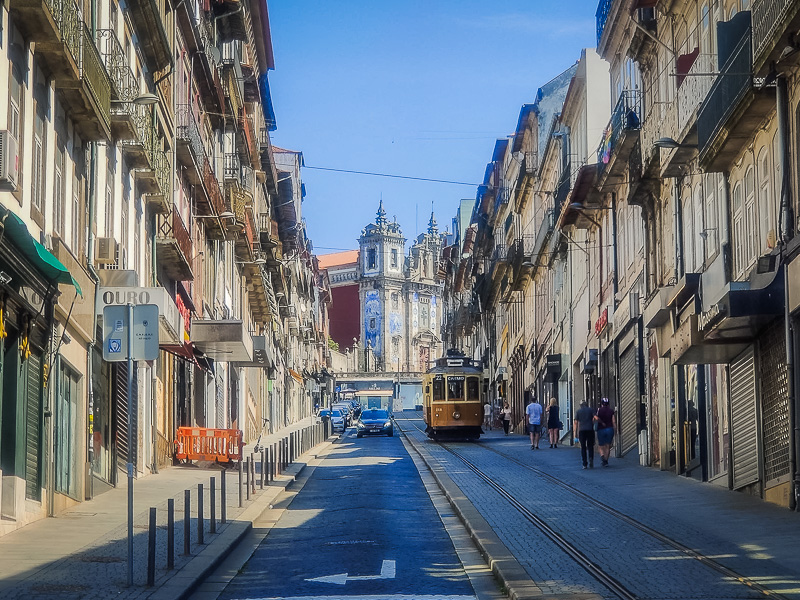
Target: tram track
(594, 570)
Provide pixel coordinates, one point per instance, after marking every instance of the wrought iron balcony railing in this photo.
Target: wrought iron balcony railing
(232, 167)
(123, 82)
(625, 117)
(189, 130)
(603, 10)
(769, 18)
(94, 74)
(734, 81)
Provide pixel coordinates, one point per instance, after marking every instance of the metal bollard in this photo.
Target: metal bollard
(151, 548)
(247, 482)
(241, 500)
(170, 533)
(213, 498)
(253, 474)
(223, 509)
(271, 459)
(263, 467)
(187, 522)
(200, 513)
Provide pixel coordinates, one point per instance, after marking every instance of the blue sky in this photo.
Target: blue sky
(409, 88)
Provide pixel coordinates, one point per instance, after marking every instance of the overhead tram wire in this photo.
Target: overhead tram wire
(429, 179)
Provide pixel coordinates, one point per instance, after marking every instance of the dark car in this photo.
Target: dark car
(374, 421)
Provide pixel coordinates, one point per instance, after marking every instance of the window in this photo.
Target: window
(59, 205)
(37, 178)
(18, 57)
(711, 226)
(372, 258)
(455, 388)
(372, 324)
(394, 258)
(738, 240)
(766, 202)
(473, 387)
(438, 388)
(751, 231)
(425, 267)
(75, 241)
(395, 300)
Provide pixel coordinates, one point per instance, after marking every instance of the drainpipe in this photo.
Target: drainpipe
(678, 224)
(614, 264)
(786, 219)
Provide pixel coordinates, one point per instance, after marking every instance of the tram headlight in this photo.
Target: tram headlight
(456, 415)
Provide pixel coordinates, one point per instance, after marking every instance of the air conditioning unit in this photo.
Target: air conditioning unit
(105, 252)
(9, 158)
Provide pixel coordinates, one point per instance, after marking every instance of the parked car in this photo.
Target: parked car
(346, 411)
(374, 421)
(323, 415)
(337, 420)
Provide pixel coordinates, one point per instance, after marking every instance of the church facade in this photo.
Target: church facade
(399, 296)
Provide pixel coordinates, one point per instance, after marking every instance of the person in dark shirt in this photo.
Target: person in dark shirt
(583, 428)
(606, 423)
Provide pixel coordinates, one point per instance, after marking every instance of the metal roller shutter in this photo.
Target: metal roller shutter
(33, 427)
(628, 398)
(774, 404)
(744, 431)
(121, 411)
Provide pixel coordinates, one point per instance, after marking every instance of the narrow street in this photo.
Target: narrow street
(362, 525)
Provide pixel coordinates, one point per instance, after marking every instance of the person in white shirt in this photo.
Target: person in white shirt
(534, 412)
(487, 416)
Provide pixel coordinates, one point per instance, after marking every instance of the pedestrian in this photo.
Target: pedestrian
(487, 415)
(583, 430)
(506, 416)
(534, 412)
(553, 422)
(606, 423)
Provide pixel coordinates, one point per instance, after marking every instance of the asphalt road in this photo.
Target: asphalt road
(363, 526)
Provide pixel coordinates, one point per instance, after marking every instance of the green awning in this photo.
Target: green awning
(39, 256)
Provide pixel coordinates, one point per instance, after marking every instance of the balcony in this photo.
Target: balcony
(268, 161)
(602, 14)
(732, 111)
(247, 144)
(774, 23)
(147, 17)
(233, 77)
(543, 235)
(224, 341)
(174, 247)
(124, 87)
(268, 231)
(155, 180)
(65, 46)
(519, 261)
(620, 135)
(233, 19)
(242, 204)
(232, 169)
(137, 147)
(190, 151)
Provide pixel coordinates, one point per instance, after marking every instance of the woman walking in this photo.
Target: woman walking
(505, 414)
(553, 424)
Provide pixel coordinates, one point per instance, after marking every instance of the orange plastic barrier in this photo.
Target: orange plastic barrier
(198, 443)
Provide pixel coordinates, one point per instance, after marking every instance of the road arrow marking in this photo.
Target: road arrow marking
(388, 571)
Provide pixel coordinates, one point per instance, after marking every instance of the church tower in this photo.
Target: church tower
(381, 253)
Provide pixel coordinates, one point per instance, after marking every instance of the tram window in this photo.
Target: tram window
(438, 389)
(455, 388)
(473, 386)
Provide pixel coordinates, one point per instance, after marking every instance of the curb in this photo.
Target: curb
(185, 581)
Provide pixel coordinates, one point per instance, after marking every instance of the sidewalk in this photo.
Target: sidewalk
(82, 553)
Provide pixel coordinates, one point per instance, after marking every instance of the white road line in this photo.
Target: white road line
(378, 597)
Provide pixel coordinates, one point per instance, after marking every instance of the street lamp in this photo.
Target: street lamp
(146, 99)
(669, 143)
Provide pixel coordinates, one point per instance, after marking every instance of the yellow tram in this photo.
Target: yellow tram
(452, 398)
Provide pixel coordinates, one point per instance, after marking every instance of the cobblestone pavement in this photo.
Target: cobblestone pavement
(742, 533)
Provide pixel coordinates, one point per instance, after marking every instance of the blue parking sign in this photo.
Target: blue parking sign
(114, 346)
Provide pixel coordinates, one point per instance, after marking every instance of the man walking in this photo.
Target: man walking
(606, 424)
(534, 412)
(487, 415)
(583, 428)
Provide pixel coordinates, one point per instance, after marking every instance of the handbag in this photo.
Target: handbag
(560, 425)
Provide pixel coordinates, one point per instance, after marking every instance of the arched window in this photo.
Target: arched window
(711, 225)
(751, 230)
(739, 241)
(766, 201)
